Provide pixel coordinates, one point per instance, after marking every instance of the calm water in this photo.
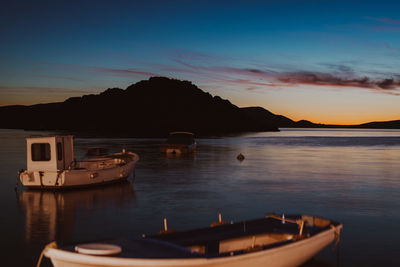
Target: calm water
(352, 176)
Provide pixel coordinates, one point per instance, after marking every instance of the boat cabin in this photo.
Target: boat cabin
(49, 153)
(183, 138)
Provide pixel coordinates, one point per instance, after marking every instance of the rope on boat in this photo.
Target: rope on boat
(300, 222)
(337, 234)
(50, 245)
(58, 177)
(41, 174)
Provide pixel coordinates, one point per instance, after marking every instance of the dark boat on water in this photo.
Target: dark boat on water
(179, 143)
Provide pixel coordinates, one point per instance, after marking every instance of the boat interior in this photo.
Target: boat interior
(226, 239)
(105, 162)
(231, 239)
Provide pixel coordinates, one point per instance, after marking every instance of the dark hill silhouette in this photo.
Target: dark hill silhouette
(153, 108)
(262, 115)
(370, 125)
(148, 108)
(381, 124)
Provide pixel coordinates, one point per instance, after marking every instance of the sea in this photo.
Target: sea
(349, 175)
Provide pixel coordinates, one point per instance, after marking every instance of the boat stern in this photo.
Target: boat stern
(41, 179)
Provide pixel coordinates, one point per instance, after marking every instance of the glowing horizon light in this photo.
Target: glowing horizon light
(326, 65)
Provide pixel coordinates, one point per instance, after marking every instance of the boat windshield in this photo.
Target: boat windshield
(180, 138)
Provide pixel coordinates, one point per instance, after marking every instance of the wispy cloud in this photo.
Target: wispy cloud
(326, 79)
(42, 90)
(389, 24)
(29, 95)
(121, 72)
(61, 78)
(214, 71)
(338, 67)
(184, 54)
(343, 77)
(390, 48)
(387, 28)
(385, 20)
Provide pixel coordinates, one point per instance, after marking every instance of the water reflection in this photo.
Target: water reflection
(50, 215)
(189, 156)
(348, 175)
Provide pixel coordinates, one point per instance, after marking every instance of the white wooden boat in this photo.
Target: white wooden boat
(51, 164)
(271, 241)
(179, 143)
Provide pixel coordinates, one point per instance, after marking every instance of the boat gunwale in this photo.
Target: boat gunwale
(123, 261)
(71, 187)
(131, 158)
(178, 237)
(125, 155)
(117, 261)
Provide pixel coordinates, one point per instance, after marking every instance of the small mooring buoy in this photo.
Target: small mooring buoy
(240, 157)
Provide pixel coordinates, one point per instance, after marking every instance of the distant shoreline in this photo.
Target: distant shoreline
(152, 108)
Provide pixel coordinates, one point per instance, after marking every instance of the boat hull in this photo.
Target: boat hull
(96, 172)
(178, 148)
(290, 255)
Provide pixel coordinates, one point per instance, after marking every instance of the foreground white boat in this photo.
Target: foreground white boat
(271, 241)
(51, 164)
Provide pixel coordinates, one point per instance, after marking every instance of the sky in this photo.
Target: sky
(334, 62)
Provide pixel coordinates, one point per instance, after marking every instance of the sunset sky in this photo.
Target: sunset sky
(323, 61)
